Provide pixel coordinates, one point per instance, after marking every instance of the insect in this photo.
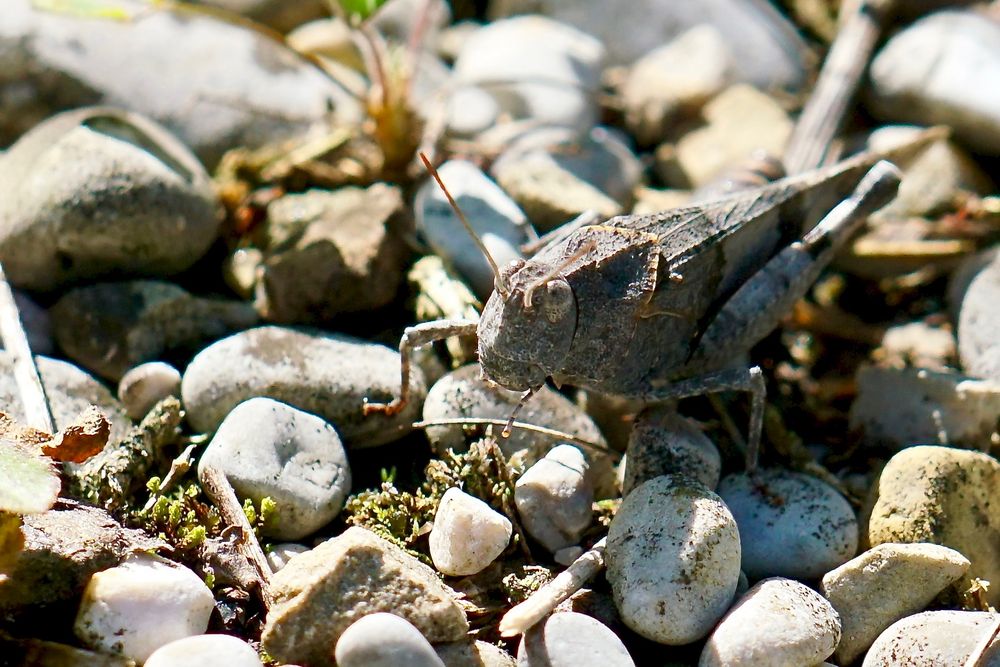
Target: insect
(663, 306)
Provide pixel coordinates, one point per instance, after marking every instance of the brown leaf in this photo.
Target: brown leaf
(84, 438)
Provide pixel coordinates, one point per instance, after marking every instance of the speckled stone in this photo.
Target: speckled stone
(934, 639)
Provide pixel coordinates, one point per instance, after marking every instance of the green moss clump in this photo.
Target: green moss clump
(179, 517)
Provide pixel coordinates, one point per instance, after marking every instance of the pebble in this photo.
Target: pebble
(205, 651)
(471, 110)
(384, 640)
(138, 606)
(673, 559)
(919, 345)
(473, 654)
(568, 639)
(329, 253)
(92, 192)
(554, 498)
(467, 535)
(536, 69)
(935, 639)
(145, 385)
(109, 328)
(279, 554)
(267, 91)
(37, 324)
(675, 80)
(329, 38)
(944, 496)
(767, 50)
(321, 592)
(596, 604)
(884, 584)
(329, 375)
(778, 622)
(940, 70)
(266, 448)
(664, 443)
(978, 319)
(464, 394)
(897, 407)
(497, 220)
(791, 524)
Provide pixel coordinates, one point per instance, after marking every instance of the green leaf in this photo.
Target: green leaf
(359, 10)
(28, 481)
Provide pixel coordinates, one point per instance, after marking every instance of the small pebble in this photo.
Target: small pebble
(471, 110)
(554, 498)
(205, 651)
(935, 639)
(673, 559)
(384, 640)
(791, 525)
(473, 654)
(778, 622)
(266, 448)
(279, 554)
(917, 344)
(147, 384)
(568, 639)
(885, 584)
(468, 534)
(664, 443)
(567, 555)
(142, 604)
(978, 319)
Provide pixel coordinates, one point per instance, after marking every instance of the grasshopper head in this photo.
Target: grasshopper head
(526, 330)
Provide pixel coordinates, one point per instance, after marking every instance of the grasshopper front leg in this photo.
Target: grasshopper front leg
(413, 337)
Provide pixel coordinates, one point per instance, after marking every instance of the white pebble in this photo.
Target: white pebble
(279, 554)
(934, 638)
(384, 640)
(467, 535)
(205, 651)
(554, 498)
(142, 604)
(147, 384)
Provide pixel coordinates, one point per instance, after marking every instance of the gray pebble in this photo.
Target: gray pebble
(471, 110)
(329, 375)
(978, 322)
(778, 622)
(935, 639)
(93, 192)
(384, 640)
(473, 654)
(568, 639)
(673, 559)
(145, 385)
(267, 448)
(554, 498)
(664, 443)
(791, 524)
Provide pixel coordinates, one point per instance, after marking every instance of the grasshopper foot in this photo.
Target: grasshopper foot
(393, 407)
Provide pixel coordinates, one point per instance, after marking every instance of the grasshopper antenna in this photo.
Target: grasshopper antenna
(583, 250)
(500, 284)
(505, 433)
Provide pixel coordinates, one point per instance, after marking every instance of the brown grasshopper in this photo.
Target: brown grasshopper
(661, 306)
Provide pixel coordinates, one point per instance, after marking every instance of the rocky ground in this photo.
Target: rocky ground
(216, 227)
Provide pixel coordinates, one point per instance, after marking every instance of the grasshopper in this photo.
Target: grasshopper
(662, 306)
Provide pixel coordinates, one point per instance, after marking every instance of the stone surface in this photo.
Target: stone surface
(943, 496)
(791, 524)
(278, 555)
(917, 344)
(554, 498)
(96, 192)
(329, 375)
(145, 385)
(320, 593)
(900, 407)
(979, 317)
(471, 110)
(940, 70)
(328, 253)
(885, 584)
(111, 327)
(384, 640)
(138, 606)
(248, 88)
(778, 622)
(934, 639)
(498, 221)
(204, 651)
(473, 654)
(467, 535)
(37, 324)
(663, 443)
(673, 559)
(568, 639)
(266, 448)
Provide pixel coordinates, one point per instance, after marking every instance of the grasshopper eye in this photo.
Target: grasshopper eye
(558, 301)
(506, 273)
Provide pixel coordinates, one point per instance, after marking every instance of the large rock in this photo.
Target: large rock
(320, 593)
(936, 639)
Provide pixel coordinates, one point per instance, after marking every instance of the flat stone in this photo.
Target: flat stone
(204, 651)
(554, 498)
(320, 593)
(266, 448)
(329, 375)
(568, 639)
(384, 640)
(664, 443)
(145, 385)
(95, 192)
(884, 584)
(673, 559)
(778, 622)
(935, 639)
(467, 535)
(943, 496)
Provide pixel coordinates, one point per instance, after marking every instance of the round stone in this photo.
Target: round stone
(147, 384)
(569, 639)
(205, 651)
(554, 498)
(468, 534)
(935, 638)
(384, 640)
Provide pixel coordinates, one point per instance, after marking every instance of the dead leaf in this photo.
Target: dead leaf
(84, 438)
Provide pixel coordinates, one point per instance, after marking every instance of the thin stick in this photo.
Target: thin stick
(37, 412)
(977, 654)
(541, 603)
(484, 421)
(219, 491)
